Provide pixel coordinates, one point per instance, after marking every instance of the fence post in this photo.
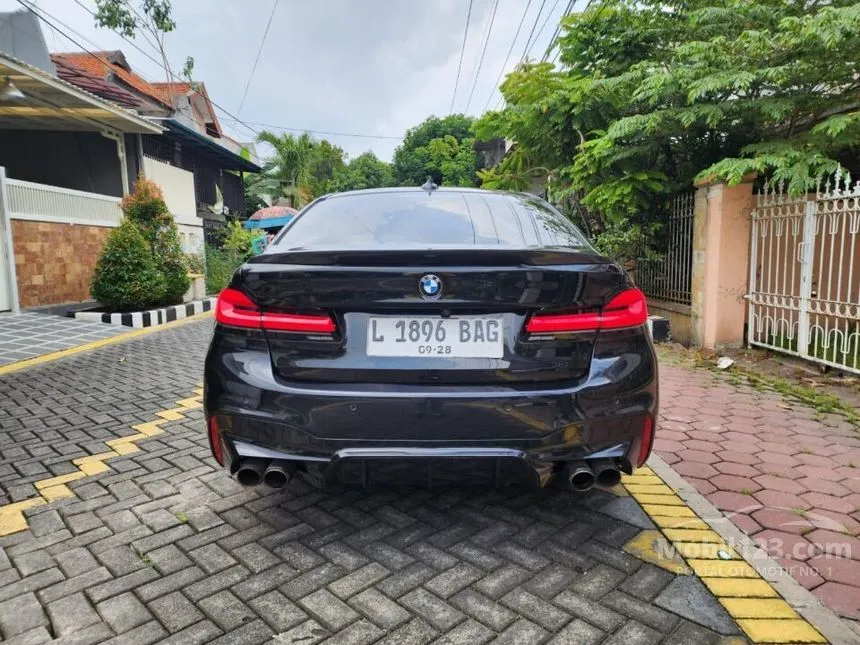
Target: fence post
(721, 243)
(7, 254)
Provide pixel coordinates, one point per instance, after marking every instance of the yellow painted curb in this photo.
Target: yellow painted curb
(653, 547)
(12, 518)
(749, 599)
(119, 338)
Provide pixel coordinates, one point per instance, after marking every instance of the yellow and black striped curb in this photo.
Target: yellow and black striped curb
(12, 519)
(762, 614)
(96, 344)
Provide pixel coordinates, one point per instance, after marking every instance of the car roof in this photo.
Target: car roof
(418, 189)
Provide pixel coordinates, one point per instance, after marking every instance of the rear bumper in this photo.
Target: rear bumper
(599, 416)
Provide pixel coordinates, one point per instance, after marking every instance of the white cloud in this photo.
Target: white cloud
(362, 66)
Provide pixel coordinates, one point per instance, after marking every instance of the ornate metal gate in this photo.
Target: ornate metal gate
(804, 280)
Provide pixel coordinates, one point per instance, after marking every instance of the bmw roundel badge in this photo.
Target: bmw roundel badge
(430, 287)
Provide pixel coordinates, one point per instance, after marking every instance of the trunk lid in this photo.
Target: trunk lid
(357, 286)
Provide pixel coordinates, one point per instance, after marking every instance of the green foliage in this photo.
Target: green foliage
(289, 169)
(126, 277)
(365, 171)
(147, 210)
(649, 95)
(440, 148)
(196, 263)
(221, 264)
(239, 241)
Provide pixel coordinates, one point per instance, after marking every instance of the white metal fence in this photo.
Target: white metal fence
(804, 284)
(43, 203)
(664, 267)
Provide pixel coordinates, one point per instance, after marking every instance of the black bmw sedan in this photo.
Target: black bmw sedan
(431, 333)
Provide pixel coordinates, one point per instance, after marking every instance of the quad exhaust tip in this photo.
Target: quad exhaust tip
(250, 472)
(582, 476)
(253, 472)
(277, 475)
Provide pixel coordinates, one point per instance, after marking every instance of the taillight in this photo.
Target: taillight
(215, 441)
(627, 309)
(236, 309)
(647, 440)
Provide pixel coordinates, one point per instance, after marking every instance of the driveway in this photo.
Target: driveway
(118, 527)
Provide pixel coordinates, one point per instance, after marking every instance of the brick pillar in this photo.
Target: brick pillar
(721, 248)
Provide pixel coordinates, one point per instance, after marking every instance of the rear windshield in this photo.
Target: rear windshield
(440, 218)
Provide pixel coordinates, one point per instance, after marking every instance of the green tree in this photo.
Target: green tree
(290, 165)
(152, 18)
(416, 158)
(364, 171)
(651, 94)
(326, 161)
(126, 277)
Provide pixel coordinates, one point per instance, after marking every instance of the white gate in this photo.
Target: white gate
(805, 273)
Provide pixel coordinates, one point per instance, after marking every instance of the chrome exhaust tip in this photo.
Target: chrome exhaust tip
(277, 475)
(606, 473)
(250, 472)
(578, 476)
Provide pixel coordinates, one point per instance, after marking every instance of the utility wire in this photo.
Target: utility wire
(483, 53)
(543, 26)
(531, 33)
(462, 50)
(557, 31)
(150, 57)
(324, 132)
(257, 59)
(505, 64)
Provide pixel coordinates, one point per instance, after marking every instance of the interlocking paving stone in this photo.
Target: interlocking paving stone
(71, 614)
(175, 611)
(123, 612)
(21, 614)
(166, 547)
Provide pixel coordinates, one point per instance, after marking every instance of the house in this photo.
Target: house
(73, 139)
(197, 165)
(67, 156)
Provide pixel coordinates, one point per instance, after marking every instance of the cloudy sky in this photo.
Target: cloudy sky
(369, 67)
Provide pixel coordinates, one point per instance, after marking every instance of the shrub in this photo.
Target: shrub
(146, 208)
(196, 262)
(221, 264)
(239, 240)
(126, 277)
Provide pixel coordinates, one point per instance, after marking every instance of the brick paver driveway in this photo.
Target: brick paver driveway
(785, 474)
(164, 547)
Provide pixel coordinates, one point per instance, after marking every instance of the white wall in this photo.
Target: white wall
(178, 188)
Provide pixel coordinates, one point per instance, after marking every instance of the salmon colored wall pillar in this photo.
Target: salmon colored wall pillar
(721, 247)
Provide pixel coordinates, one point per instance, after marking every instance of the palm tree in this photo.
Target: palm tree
(289, 167)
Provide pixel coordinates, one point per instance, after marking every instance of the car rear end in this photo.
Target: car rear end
(415, 330)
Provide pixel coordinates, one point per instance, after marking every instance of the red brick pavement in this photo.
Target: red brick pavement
(786, 475)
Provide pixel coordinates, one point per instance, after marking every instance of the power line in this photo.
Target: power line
(170, 75)
(323, 132)
(505, 64)
(483, 53)
(555, 34)
(531, 33)
(543, 26)
(462, 50)
(257, 59)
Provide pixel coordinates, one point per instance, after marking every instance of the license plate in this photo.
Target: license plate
(460, 337)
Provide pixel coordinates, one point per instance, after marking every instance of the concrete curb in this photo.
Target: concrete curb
(831, 626)
(150, 318)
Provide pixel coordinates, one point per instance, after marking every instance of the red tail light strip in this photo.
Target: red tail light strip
(627, 309)
(647, 440)
(238, 310)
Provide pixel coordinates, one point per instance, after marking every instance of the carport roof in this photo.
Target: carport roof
(51, 103)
